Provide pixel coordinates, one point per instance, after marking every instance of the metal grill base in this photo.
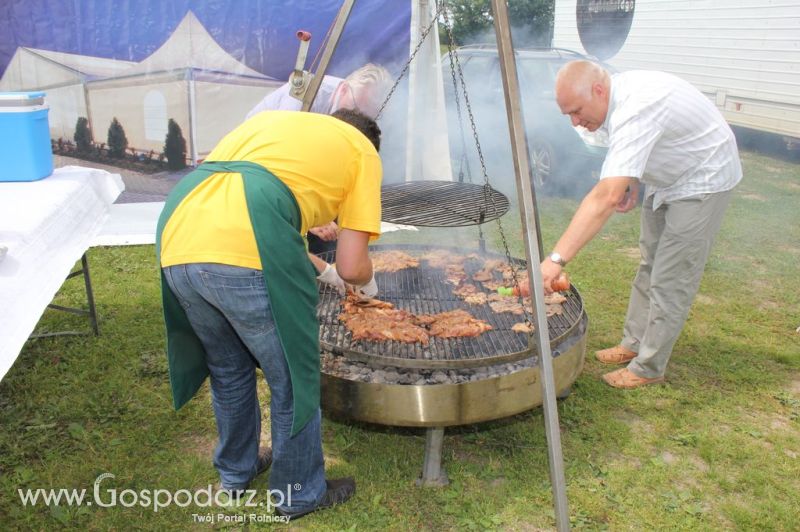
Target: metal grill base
(444, 405)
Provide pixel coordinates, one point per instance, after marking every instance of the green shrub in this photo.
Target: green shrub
(175, 146)
(83, 135)
(117, 141)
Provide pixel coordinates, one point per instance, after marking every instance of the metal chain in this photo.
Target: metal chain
(456, 65)
(487, 186)
(463, 160)
(422, 37)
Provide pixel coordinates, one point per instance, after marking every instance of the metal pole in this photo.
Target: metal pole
(327, 53)
(192, 117)
(432, 473)
(530, 226)
(87, 281)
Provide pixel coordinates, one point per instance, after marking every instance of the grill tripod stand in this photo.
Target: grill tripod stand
(432, 472)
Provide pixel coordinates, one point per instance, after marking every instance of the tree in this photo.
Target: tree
(83, 135)
(472, 22)
(117, 141)
(175, 146)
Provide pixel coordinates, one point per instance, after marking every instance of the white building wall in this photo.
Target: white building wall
(235, 99)
(66, 105)
(743, 54)
(104, 106)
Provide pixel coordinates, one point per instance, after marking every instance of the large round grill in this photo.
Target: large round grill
(441, 203)
(424, 290)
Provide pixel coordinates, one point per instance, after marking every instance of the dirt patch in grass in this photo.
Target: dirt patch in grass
(753, 197)
(789, 249)
(699, 463)
(663, 403)
(620, 461)
(636, 423)
(766, 304)
(199, 445)
(526, 527)
(790, 186)
(705, 300)
(631, 253)
(463, 455)
(779, 423)
(498, 482)
(669, 458)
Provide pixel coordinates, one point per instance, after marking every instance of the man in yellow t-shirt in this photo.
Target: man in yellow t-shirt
(238, 286)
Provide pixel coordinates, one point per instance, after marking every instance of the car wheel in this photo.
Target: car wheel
(543, 161)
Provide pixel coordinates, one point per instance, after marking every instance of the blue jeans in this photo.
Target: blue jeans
(230, 312)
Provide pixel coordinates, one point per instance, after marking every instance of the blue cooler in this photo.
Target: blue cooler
(25, 152)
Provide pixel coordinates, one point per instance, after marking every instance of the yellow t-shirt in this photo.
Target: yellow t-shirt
(332, 169)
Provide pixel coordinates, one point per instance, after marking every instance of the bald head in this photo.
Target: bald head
(582, 92)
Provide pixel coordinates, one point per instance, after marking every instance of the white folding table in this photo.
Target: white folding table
(47, 226)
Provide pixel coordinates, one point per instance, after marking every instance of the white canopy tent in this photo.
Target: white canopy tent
(63, 77)
(191, 79)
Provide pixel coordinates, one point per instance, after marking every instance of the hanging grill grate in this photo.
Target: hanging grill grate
(424, 290)
(441, 203)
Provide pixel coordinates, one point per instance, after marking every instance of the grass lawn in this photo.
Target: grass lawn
(717, 447)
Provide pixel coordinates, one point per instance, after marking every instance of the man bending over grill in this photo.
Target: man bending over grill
(364, 90)
(666, 134)
(239, 288)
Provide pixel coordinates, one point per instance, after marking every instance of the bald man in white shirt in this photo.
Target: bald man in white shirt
(664, 133)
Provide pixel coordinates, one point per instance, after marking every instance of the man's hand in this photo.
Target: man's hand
(550, 272)
(631, 197)
(327, 232)
(367, 291)
(331, 277)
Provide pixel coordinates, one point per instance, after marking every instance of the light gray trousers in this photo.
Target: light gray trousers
(675, 242)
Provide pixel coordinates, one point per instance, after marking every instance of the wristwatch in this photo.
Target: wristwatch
(557, 259)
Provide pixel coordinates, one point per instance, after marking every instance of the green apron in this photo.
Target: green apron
(289, 277)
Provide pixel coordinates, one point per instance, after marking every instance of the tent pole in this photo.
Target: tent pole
(327, 53)
(192, 116)
(532, 237)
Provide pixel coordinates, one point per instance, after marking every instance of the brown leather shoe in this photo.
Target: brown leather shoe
(626, 379)
(615, 355)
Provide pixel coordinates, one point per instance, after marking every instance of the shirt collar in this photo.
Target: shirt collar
(611, 103)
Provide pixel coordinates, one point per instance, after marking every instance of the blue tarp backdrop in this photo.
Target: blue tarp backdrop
(202, 63)
(259, 33)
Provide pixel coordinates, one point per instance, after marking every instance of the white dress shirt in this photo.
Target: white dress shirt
(281, 100)
(666, 133)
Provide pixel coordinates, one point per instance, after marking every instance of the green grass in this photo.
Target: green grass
(718, 447)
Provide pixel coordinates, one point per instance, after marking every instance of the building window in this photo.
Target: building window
(155, 116)
(603, 25)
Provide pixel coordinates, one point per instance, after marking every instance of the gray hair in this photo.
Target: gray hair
(372, 82)
(580, 75)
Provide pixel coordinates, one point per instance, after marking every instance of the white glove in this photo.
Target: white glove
(369, 290)
(331, 277)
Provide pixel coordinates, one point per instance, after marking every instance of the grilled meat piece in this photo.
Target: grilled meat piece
(392, 261)
(455, 323)
(523, 327)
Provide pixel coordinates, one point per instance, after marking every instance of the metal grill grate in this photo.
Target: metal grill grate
(424, 290)
(441, 203)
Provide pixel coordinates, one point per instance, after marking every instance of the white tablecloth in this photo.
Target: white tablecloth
(46, 225)
(135, 223)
